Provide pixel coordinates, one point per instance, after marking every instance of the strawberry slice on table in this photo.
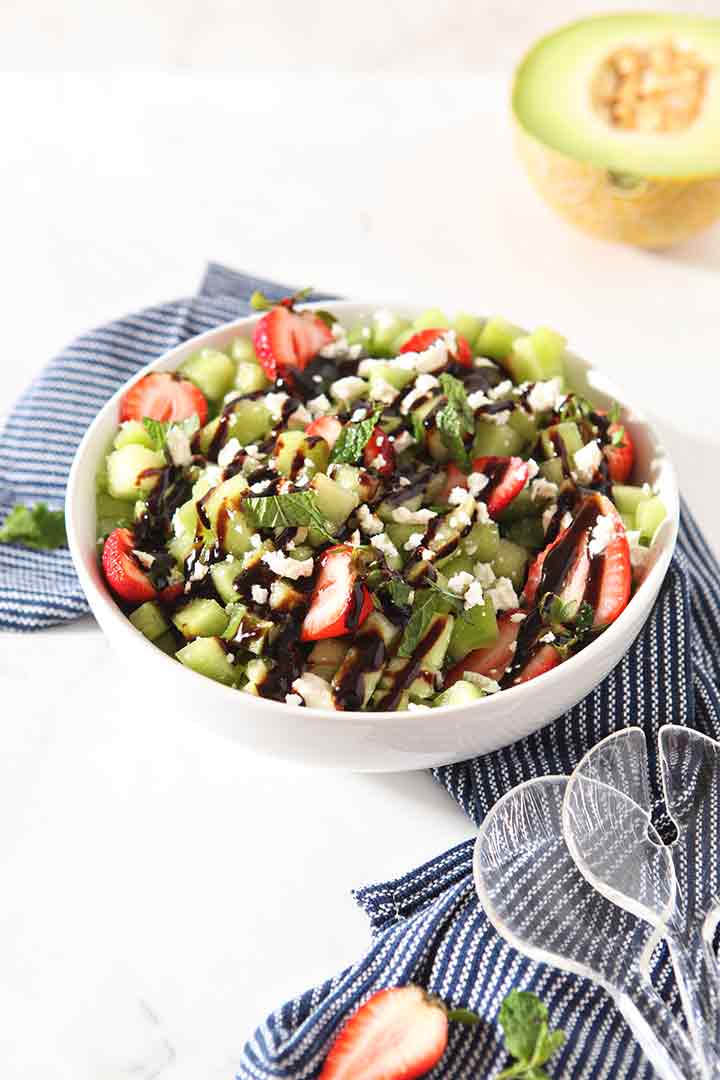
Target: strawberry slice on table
(164, 396)
(339, 602)
(285, 339)
(327, 427)
(425, 338)
(122, 570)
(398, 1034)
(507, 477)
(379, 453)
(620, 458)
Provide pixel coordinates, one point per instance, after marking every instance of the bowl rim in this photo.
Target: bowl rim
(99, 597)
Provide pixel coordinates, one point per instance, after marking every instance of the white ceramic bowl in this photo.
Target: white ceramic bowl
(362, 740)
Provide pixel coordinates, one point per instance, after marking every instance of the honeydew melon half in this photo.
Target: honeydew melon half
(618, 124)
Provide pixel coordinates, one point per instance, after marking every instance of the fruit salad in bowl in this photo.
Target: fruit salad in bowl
(374, 511)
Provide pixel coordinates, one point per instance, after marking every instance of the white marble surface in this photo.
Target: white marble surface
(161, 890)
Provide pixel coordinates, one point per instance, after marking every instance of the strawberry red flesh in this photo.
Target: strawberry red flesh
(122, 570)
(507, 477)
(620, 458)
(379, 453)
(421, 341)
(493, 660)
(340, 602)
(285, 340)
(398, 1034)
(162, 396)
(327, 427)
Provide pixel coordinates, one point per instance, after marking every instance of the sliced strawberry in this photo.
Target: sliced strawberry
(507, 477)
(171, 593)
(425, 338)
(621, 458)
(379, 453)
(541, 661)
(535, 571)
(398, 1034)
(493, 660)
(327, 427)
(339, 602)
(122, 570)
(286, 339)
(454, 477)
(613, 589)
(163, 396)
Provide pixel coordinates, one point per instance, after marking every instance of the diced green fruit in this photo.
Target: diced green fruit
(511, 562)
(496, 440)
(434, 658)
(446, 536)
(386, 510)
(549, 349)
(552, 470)
(460, 693)
(468, 326)
(249, 422)
(570, 435)
(200, 618)
(248, 630)
(432, 319)
(223, 576)
(167, 643)
(523, 361)
(457, 563)
(400, 534)
(474, 629)
(628, 521)
(241, 350)
(359, 660)
(398, 377)
(648, 517)
(301, 552)
(528, 532)
(208, 657)
(402, 339)
(235, 612)
(332, 500)
(250, 378)
(627, 497)
(496, 338)
(481, 543)
(385, 332)
(257, 671)
(521, 506)
(185, 523)
(326, 657)
(360, 334)
(133, 431)
(524, 424)
(113, 514)
(294, 448)
(433, 438)
(349, 393)
(149, 620)
(212, 371)
(125, 469)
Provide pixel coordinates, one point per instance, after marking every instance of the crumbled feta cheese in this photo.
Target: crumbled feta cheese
(315, 692)
(178, 444)
(533, 468)
(601, 535)
(358, 415)
(229, 452)
(498, 417)
(317, 378)
(144, 558)
(301, 417)
(639, 554)
(403, 481)
(293, 699)
(319, 405)
(255, 541)
(284, 566)
(378, 462)
(547, 639)
(483, 514)
(259, 594)
(474, 596)
(345, 389)
(490, 686)
(260, 486)
(460, 519)
(413, 541)
(382, 390)
(548, 515)
(369, 523)
(484, 573)
(423, 383)
(403, 516)
(502, 390)
(542, 489)
(416, 706)
(544, 396)
(457, 496)
(477, 399)
(460, 583)
(355, 539)
(199, 571)
(519, 616)
(503, 594)
(252, 450)
(274, 403)
(566, 520)
(402, 442)
(384, 544)
(436, 355)
(587, 462)
(477, 482)
(427, 555)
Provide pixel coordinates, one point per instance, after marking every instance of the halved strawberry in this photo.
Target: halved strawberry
(620, 458)
(286, 339)
(327, 427)
(163, 396)
(542, 660)
(123, 572)
(507, 476)
(613, 589)
(339, 602)
(379, 453)
(493, 660)
(425, 338)
(398, 1034)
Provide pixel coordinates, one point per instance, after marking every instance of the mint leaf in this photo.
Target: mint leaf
(455, 419)
(427, 604)
(400, 592)
(353, 439)
(524, 1022)
(35, 527)
(158, 429)
(618, 437)
(281, 511)
(418, 427)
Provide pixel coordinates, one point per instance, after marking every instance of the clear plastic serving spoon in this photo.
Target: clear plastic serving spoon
(608, 829)
(537, 899)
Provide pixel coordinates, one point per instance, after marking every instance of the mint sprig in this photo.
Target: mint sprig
(455, 419)
(353, 439)
(158, 429)
(296, 508)
(524, 1020)
(34, 527)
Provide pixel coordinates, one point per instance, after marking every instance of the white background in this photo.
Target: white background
(160, 890)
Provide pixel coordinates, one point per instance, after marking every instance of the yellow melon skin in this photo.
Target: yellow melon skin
(655, 213)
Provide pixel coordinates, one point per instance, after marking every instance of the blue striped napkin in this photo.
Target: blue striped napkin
(427, 926)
